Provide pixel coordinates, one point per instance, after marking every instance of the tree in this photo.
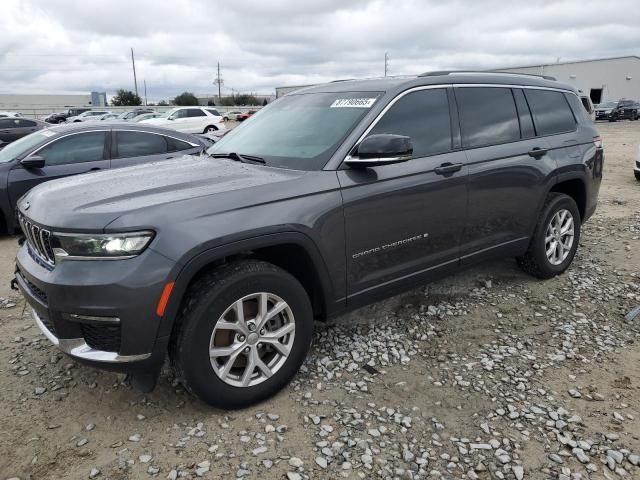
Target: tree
(162, 103)
(186, 99)
(125, 98)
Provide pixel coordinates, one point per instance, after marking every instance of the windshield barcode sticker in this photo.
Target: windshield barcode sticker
(353, 103)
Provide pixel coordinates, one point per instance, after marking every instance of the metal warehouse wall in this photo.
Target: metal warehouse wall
(617, 77)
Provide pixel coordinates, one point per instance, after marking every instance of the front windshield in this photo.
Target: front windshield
(299, 131)
(19, 147)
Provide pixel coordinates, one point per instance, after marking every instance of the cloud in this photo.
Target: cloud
(74, 46)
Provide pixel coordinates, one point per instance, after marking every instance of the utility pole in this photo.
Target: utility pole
(145, 92)
(135, 80)
(386, 63)
(219, 81)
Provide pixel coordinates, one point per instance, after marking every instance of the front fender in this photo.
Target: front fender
(186, 269)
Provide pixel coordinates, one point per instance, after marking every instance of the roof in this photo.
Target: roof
(636, 57)
(432, 78)
(106, 125)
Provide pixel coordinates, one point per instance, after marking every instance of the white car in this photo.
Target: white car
(88, 115)
(190, 120)
(10, 114)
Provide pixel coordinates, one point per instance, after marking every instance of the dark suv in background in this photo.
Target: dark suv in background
(328, 199)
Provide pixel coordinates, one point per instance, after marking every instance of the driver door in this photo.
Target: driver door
(69, 155)
(404, 221)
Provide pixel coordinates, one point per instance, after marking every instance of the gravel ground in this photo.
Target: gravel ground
(487, 374)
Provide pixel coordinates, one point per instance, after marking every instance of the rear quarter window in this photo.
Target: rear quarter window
(551, 112)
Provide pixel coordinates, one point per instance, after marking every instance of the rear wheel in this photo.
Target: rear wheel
(242, 334)
(555, 239)
(210, 129)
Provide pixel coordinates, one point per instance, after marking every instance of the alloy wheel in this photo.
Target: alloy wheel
(252, 339)
(559, 237)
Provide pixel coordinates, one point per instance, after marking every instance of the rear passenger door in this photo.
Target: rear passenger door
(404, 221)
(508, 168)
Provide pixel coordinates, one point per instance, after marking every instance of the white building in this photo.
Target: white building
(603, 79)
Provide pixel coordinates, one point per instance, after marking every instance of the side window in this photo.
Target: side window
(8, 122)
(179, 114)
(488, 116)
(82, 147)
(213, 112)
(175, 145)
(551, 112)
(138, 144)
(524, 115)
(195, 112)
(26, 123)
(423, 116)
(577, 106)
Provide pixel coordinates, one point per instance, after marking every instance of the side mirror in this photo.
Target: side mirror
(171, 118)
(381, 149)
(34, 161)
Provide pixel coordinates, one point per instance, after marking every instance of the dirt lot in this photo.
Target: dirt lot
(488, 374)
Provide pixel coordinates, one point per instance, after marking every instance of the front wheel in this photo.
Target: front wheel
(555, 239)
(242, 334)
(210, 129)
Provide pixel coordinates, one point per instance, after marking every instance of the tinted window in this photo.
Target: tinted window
(175, 145)
(26, 123)
(487, 116)
(551, 112)
(137, 144)
(577, 106)
(82, 147)
(423, 116)
(213, 112)
(524, 115)
(8, 122)
(195, 112)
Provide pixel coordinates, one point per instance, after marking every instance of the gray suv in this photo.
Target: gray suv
(328, 199)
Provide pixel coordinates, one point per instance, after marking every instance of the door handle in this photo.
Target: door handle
(446, 168)
(537, 152)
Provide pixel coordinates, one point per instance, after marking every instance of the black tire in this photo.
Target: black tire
(535, 261)
(208, 128)
(637, 174)
(204, 303)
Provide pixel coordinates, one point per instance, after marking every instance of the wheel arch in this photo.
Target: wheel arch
(574, 187)
(292, 251)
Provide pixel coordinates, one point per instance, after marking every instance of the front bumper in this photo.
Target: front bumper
(102, 313)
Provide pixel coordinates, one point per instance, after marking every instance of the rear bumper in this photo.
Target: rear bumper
(101, 313)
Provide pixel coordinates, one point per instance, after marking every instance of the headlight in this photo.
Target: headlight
(108, 245)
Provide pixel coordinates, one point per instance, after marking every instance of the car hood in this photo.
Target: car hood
(91, 201)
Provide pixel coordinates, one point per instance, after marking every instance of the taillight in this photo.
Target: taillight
(597, 141)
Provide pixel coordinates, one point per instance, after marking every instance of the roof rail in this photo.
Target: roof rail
(438, 73)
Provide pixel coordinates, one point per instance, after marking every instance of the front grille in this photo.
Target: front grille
(102, 337)
(38, 240)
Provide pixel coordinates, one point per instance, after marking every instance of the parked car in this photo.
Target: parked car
(102, 118)
(63, 116)
(636, 167)
(13, 128)
(327, 200)
(87, 116)
(233, 115)
(131, 115)
(146, 116)
(76, 148)
(604, 109)
(243, 116)
(4, 114)
(625, 109)
(190, 120)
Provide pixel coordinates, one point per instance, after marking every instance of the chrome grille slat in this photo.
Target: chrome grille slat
(38, 240)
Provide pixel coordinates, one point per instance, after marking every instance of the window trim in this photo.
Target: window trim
(454, 86)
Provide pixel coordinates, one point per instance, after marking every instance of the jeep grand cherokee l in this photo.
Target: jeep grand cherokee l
(328, 199)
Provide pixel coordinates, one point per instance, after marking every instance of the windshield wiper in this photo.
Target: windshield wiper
(239, 157)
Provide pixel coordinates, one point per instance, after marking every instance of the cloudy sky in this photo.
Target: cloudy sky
(75, 46)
